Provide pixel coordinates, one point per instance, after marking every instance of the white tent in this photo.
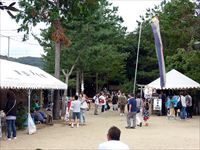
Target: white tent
(15, 75)
(174, 80)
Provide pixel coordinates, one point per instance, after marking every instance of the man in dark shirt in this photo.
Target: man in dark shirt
(132, 111)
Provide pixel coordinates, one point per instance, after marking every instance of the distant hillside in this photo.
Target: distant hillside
(34, 61)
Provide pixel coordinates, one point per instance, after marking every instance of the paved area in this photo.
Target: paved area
(162, 134)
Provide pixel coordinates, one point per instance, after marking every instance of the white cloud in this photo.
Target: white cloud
(130, 10)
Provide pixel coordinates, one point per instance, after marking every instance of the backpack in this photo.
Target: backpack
(179, 105)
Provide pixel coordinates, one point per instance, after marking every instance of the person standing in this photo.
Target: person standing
(76, 105)
(122, 101)
(139, 111)
(183, 108)
(11, 113)
(96, 103)
(188, 99)
(162, 96)
(113, 142)
(114, 101)
(84, 107)
(175, 98)
(146, 113)
(167, 104)
(132, 111)
(102, 100)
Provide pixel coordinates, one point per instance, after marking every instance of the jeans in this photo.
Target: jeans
(102, 108)
(183, 113)
(189, 111)
(131, 115)
(11, 129)
(82, 117)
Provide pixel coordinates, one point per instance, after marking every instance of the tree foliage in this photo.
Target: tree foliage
(179, 25)
(187, 62)
(97, 38)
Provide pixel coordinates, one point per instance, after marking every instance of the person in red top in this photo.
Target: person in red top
(69, 111)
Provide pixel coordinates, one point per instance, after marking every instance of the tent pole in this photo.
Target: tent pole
(29, 101)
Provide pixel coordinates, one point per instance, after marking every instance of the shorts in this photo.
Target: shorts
(76, 115)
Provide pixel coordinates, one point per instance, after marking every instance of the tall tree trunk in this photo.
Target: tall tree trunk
(56, 106)
(65, 96)
(67, 75)
(97, 86)
(57, 59)
(77, 82)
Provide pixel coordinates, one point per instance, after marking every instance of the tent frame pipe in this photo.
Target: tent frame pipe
(29, 101)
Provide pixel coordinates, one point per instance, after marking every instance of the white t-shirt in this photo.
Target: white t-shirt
(102, 98)
(96, 100)
(76, 105)
(183, 101)
(112, 145)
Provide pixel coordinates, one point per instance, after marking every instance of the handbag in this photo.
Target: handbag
(179, 105)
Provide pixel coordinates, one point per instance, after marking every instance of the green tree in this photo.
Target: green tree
(97, 38)
(53, 13)
(179, 25)
(187, 62)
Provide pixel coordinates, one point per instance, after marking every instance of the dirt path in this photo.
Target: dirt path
(161, 134)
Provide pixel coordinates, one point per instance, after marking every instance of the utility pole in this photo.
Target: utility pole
(136, 65)
(8, 53)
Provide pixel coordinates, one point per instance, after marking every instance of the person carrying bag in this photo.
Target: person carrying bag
(11, 113)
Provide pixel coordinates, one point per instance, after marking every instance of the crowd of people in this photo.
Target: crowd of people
(104, 101)
(137, 109)
(75, 110)
(179, 106)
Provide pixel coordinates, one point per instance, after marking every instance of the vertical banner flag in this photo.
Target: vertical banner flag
(159, 50)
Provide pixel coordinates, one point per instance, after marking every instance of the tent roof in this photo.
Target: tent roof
(175, 80)
(20, 76)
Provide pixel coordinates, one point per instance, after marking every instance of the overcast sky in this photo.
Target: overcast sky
(130, 10)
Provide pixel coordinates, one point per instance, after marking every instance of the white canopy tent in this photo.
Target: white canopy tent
(15, 75)
(174, 80)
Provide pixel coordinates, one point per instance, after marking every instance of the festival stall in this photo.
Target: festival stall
(15, 75)
(174, 81)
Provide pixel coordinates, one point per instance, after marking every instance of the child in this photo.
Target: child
(146, 112)
(167, 105)
(69, 111)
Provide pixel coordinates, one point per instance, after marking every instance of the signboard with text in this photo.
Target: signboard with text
(157, 104)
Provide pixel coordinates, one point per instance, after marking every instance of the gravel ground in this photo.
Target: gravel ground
(161, 134)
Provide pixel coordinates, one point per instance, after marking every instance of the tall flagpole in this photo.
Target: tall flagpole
(138, 50)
